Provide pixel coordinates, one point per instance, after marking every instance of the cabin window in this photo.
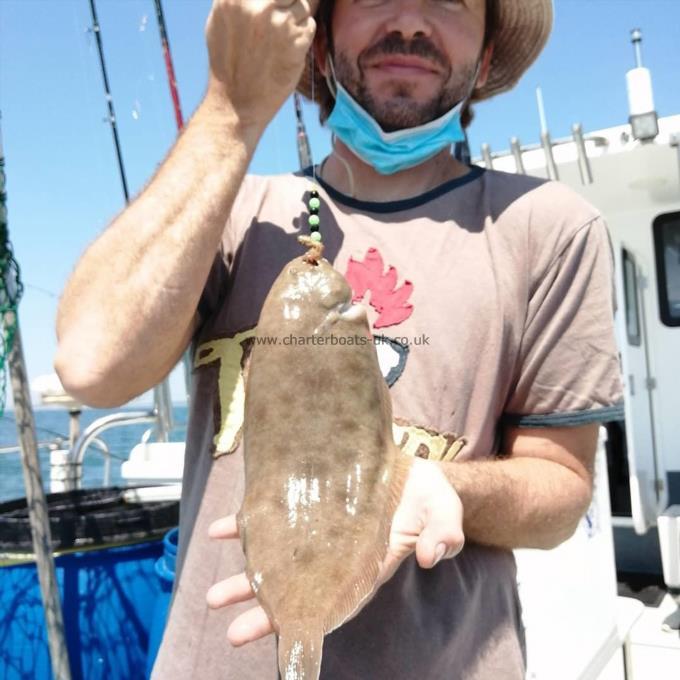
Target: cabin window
(630, 286)
(667, 250)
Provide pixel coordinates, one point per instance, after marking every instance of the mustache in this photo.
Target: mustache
(393, 43)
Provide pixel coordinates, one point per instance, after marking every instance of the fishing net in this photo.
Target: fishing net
(11, 289)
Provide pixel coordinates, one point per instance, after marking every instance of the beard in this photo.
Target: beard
(401, 111)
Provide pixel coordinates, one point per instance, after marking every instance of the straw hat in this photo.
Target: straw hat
(522, 30)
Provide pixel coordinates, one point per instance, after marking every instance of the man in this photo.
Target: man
(505, 281)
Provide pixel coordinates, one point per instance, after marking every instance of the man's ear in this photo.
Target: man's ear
(320, 48)
(485, 66)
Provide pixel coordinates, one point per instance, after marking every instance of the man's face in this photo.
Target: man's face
(407, 62)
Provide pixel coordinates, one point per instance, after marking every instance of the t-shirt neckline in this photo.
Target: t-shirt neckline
(403, 204)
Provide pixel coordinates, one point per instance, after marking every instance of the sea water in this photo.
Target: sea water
(52, 425)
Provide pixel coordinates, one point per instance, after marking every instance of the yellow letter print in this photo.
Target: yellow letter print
(413, 440)
(229, 352)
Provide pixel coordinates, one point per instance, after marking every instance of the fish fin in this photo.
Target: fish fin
(364, 587)
(300, 650)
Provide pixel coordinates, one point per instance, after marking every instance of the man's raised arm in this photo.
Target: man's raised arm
(129, 309)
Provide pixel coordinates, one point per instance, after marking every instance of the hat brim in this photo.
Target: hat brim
(522, 30)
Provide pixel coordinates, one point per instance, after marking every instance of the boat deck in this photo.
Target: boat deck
(652, 651)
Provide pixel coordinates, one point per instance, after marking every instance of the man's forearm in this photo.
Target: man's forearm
(519, 502)
(127, 311)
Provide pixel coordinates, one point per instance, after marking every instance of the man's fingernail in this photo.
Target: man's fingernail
(439, 552)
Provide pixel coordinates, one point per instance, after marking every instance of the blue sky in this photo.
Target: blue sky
(63, 183)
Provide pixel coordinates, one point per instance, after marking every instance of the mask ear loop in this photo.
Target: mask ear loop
(461, 104)
(345, 165)
(331, 82)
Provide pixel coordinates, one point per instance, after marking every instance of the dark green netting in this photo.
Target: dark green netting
(11, 289)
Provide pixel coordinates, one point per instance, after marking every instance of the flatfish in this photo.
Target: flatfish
(323, 474)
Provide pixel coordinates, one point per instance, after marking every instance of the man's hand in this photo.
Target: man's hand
(428, 520)
(257, 52)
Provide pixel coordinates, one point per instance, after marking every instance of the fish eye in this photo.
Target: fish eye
(334, 294)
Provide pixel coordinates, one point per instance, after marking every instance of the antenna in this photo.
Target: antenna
(636, 39)
(546, 142)
(643, 117)
(541, 110)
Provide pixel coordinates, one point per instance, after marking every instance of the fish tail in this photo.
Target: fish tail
(300, 649)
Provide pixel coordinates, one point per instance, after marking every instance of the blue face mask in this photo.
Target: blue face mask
(390, 152)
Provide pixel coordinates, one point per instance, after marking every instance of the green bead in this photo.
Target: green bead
(313, 220)
(314, 227)
(315, 236)
(314, 203)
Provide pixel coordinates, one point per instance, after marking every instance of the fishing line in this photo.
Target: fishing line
(38, 427)
(142, 96)
(86, 54)
(58, 436)
(40, 289)
(313, 65)
(314, 240)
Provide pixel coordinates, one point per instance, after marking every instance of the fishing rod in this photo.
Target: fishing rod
(109, 100)
(167, 55)
(161, 391)
(304, 150)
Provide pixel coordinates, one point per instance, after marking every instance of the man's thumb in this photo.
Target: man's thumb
(442, 536)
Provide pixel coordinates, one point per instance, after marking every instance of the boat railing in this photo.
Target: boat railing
(516, 147)
(578, 141)
(63, 473)
(91, 432)
(56, 443)
(160, 415)
(17, 449)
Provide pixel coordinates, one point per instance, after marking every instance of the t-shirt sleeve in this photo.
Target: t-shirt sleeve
(216, 285)
(568, 370)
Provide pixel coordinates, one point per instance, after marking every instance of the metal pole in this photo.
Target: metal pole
(163, 410)
(583, 162)
(551, 166)
(546, 141)
(516, 148)
(541, 110)
(89, 434)
(30, 463)
(109, 100)
(486, 155)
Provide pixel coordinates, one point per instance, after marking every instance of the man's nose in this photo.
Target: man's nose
(409, 17)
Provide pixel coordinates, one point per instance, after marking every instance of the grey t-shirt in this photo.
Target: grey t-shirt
(494, 296)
